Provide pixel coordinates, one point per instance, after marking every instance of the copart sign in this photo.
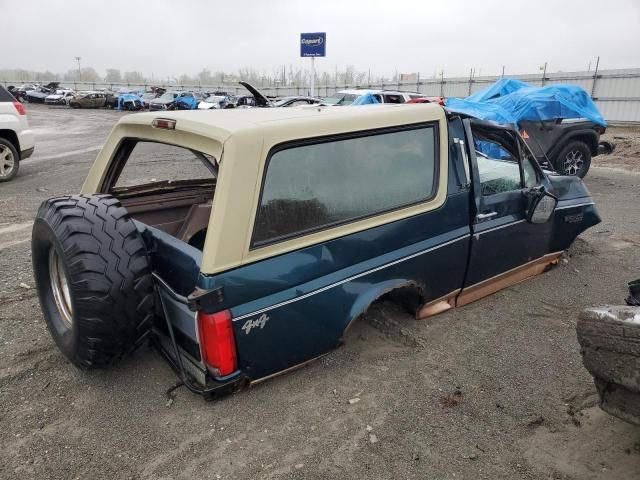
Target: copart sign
(313, 44)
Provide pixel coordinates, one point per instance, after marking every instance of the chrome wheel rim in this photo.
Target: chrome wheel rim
(573, 162)
(60, 287)
(7, 161)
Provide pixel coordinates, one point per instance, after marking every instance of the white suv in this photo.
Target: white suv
(16, 138)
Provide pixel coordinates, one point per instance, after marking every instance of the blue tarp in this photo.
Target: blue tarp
(510, 101)
(128, 97)
(502, 87)
(186, 103)
(366, 99)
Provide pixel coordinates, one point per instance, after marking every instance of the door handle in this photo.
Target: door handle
(486, 216)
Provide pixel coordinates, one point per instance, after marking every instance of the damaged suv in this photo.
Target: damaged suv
(245, 243)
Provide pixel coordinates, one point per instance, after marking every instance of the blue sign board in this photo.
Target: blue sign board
(313, 44)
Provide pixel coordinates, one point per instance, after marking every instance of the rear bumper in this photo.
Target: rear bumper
(27, 142)
(207, 387)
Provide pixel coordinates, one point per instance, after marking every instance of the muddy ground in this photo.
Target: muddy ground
(492, 390)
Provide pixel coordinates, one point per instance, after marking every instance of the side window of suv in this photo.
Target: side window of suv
(307, 188)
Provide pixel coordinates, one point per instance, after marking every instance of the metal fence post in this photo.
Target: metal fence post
(595, 79)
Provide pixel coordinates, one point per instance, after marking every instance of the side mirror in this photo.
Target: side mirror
(541, 205)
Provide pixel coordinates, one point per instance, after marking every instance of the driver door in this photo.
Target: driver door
(505, 247)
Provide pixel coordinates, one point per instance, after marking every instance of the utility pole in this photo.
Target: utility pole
(79, 70)
(544, 73)
(503, 70)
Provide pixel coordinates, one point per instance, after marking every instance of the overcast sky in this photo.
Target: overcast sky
(173, 37)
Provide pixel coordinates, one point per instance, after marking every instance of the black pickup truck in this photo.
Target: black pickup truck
(565, 145)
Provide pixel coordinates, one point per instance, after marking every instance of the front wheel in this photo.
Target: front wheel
(9, 161)
(574, 159)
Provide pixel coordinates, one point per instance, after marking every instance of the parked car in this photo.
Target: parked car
(147, 97)
(16, 138)
(608, 337)
(37, 95)
(261, 100)
(188, 101)
(176, 100)
(243, 101)
(130, 102)
(88, 100)
(347, 97)
(213, 102)
(60, 97)
(166, 101)
(295, 101)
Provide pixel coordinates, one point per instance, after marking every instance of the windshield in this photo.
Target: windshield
(340, 99)
(214, 99)
(168, 97)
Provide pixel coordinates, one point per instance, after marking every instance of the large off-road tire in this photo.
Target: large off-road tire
(93, 276)
(609, 338)
(9, 160)
(574, 159)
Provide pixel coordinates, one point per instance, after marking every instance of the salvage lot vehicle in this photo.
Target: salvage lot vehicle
(560, 123)
(566, 145)
(261, 100)
(37, 95)
(347, 97)
(277, 228)
(89, 100)
(60, 97)
(213, 102)
(295, 101)
(176, 101)
(16, 138)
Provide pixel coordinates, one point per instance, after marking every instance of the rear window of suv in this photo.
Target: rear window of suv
(5, 96)
(310, 187)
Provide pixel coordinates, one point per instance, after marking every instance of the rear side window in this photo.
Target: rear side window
(5, 96)
(152, 163)
(312, 187)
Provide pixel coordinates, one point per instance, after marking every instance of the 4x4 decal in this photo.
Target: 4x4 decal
(250, 324)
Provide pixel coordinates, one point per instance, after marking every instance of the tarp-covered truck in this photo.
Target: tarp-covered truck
(560, 123)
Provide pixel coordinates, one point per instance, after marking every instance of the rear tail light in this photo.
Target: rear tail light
(217, 343)
(19, 108)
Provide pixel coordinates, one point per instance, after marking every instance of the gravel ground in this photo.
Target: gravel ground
(492, 390)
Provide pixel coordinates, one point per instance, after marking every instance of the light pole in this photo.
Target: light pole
(79, 71)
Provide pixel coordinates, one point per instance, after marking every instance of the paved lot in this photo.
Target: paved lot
(492, 390)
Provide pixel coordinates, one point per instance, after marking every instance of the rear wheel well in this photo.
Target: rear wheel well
(409, 296)
(12, 137)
